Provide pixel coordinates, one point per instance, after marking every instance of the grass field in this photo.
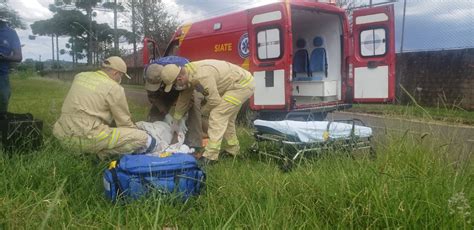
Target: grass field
(409, 185)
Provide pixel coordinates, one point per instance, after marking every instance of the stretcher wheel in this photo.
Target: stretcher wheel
(372, 153)
(287, 165)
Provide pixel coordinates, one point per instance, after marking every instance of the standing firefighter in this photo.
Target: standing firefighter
(225, 87)
(163, 102)
(95, 101)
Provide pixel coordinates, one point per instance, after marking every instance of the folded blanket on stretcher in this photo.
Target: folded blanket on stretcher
(312, 131)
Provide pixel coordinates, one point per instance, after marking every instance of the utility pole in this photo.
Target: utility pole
(89, 53)
(73, 52)
(403, 25)
(134, 31)
(57, 52)
(116, 42)
(52, 47)
(57, 57)
(145, 17)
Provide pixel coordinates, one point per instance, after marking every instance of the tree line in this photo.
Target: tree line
(92, 41)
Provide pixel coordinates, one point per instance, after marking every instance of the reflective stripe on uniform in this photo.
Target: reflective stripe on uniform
(114, 139)
(191, 67)
(232, 141)
(232, 100)
(102, 135)
(213, 145)
(244, 82)
(177, 115)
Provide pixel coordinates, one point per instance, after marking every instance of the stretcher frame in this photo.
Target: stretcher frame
(282, 142)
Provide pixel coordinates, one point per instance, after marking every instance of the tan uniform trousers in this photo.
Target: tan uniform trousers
(222, 122)
(194, 122)
(104, 141)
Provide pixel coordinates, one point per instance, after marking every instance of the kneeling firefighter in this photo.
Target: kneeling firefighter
(94, 102)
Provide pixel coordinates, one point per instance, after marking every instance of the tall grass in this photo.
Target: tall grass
(411, 184)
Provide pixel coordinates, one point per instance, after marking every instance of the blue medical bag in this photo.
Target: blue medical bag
(134, 176)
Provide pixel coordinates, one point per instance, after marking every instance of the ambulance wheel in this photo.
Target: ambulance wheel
(321, 116)
(269, 116)
(349, 95)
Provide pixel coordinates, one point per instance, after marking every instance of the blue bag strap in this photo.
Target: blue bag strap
(117, 182)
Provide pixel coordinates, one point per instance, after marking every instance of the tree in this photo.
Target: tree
(11, 15)
(63, 23)
(115, 7)
(346, 4)
(87, 5)
(153, 21)
(45, 27)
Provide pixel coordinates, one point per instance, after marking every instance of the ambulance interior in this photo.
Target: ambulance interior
(317, 56)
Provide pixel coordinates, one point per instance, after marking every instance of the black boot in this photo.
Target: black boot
(204, 162)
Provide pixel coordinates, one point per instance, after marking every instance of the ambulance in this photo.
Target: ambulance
(304, 55)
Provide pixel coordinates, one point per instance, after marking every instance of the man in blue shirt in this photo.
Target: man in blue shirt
(162, 102)
(10, 51)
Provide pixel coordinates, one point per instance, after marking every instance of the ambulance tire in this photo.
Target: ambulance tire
(349, 95)
(321, 116)
(271, 116)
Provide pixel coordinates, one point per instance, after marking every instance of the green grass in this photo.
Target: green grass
(409, 185)
(44, 97)
(446, 114)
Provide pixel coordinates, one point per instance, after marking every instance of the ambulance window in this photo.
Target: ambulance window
(268, 44)
(172, 49)
(373, 42)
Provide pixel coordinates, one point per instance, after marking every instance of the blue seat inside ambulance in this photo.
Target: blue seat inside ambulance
(300, 60)
(318, 62)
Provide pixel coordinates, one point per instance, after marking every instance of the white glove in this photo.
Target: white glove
(175, 126)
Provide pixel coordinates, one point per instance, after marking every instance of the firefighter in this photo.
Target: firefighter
(225, 87)
(94, 102)
(162, 102)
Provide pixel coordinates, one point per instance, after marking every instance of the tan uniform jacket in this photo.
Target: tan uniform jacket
(93, 100)
(92, 104)
(212, 78)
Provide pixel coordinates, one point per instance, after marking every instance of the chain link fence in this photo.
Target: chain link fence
(427, 25)
(435, 52)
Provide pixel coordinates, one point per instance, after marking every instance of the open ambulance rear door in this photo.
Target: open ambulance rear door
(373, 60)
(269, 55)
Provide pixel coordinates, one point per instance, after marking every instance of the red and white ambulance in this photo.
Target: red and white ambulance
(303, 54)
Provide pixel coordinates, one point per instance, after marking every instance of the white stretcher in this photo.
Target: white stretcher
(310, 136)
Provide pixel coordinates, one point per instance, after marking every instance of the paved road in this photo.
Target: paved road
(454, 136)
(459, 137)
(137, 96)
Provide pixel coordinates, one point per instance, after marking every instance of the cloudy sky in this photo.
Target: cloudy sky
(430, 24)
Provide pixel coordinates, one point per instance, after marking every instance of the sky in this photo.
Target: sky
(429, 24)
